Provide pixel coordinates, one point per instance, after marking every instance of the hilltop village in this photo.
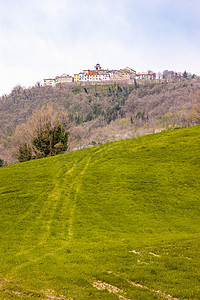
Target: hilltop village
(98, 75)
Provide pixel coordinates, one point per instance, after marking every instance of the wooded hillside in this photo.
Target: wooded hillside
(102, 113)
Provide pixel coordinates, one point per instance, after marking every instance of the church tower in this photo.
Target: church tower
(97, 67)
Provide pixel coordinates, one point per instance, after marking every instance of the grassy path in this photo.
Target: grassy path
(57, 214)
(77, 183)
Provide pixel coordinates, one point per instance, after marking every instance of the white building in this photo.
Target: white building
(83, 77)
(49, 82)
(145, 76)
(63, 79)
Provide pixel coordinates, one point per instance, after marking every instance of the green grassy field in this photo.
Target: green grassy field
(117, 221)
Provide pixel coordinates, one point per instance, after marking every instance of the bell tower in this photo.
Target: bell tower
(97, 67)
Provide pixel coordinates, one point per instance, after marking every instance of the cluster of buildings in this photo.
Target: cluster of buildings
(97, 75)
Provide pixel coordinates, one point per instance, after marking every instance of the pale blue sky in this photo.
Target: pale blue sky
(45, 38)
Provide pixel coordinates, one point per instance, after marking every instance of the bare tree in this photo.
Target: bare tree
(31, 137)
(196, 110)
(159, 75)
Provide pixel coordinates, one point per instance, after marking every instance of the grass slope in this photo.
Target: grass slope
(117, 221)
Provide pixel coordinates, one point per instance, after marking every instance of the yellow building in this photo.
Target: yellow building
(76, 77)
(122, 74)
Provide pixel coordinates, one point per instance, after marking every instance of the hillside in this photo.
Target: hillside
(116, 221)
(101, 113)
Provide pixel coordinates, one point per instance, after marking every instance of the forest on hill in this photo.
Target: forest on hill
(97, 114)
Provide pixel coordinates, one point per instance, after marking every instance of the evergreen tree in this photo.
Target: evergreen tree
(51, 141)
(1, 162)
(185, 74)
(25, 153)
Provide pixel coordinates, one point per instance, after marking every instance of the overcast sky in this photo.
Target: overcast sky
(45, 38)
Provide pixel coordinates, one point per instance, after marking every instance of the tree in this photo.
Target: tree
(150, 72)
(159, 74)
(196, 110)
(168, 75)
(165, 74)
(185, 74)
(1, 162)
(25, 153)
(51, 141)
(42, 135)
